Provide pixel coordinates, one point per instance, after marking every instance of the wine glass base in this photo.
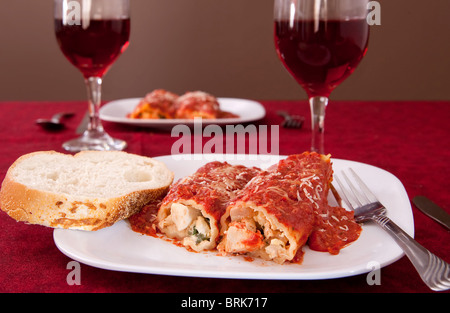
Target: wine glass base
(98, 141)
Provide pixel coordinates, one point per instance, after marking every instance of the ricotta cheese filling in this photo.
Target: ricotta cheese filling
(250, 231)
(188, 224)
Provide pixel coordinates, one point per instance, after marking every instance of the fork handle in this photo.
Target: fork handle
(434, 271)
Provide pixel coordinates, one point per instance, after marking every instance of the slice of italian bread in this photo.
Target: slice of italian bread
(89, 190)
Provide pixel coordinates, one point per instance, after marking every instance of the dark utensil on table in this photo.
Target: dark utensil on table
(54, 123)
(432, 210)
(291, 121)
(83, 126)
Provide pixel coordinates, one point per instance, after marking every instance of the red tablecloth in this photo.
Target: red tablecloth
(408, 139)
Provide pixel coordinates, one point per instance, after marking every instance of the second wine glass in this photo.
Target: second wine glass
(320, 42)
(92, 34)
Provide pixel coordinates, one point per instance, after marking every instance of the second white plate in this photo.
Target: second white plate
(119, 248)
(247, 110)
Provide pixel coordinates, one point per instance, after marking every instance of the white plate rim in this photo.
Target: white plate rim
(254, 112)
(237, 267)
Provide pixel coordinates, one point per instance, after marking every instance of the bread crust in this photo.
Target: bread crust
(56, 210)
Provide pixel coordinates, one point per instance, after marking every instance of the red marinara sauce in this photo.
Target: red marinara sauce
(334, 229)
(144, 221)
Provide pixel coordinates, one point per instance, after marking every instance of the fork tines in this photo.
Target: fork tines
(291, 121)
(359, 198)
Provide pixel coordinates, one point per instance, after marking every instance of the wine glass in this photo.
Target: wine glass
(320, 42)
(92, 34)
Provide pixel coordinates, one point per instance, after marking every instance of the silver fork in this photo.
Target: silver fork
(434, 271)
(291, 121)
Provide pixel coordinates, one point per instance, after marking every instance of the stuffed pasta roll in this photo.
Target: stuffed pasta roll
(278, 210)
(192, 209)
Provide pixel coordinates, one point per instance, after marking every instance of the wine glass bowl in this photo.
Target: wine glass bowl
(320, 43)
(95, 48)
(92, 34)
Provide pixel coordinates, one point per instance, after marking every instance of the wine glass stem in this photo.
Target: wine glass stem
(318, 105)
(94, 90)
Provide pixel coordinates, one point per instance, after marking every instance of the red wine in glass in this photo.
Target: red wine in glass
(321, 54)
(95, 48)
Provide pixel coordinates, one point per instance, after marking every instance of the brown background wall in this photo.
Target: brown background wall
(224, 47)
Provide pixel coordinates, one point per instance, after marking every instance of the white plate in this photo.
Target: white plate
(247, 110)
(119, 248)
